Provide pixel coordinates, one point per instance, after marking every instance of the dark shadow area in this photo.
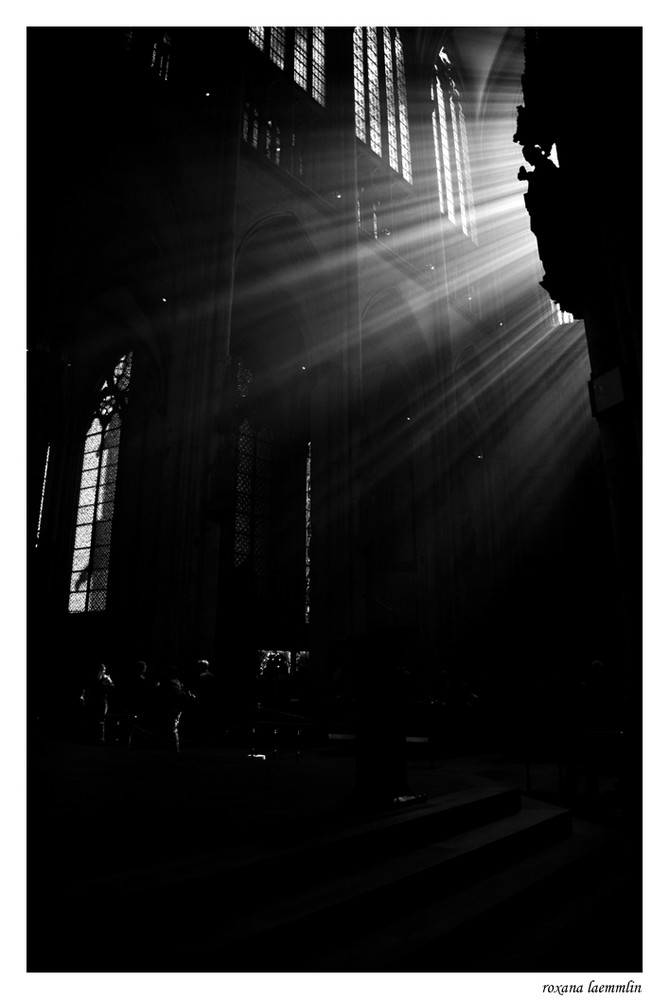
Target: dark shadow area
(221, 858)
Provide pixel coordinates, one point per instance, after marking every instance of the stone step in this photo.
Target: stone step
(480, 927)
(298, 932)
(353, 841)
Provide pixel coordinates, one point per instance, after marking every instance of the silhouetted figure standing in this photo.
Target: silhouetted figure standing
(547, 202)
(94, 698)
(170, 698)
(544, 201)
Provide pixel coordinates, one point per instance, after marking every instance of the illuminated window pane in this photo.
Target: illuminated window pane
(467, 177)
(94, 437)
(278, 46)
(82, 538)
(300, 58)
(319, 65)
(97, 600)
(443, 152)
(256, 35)
(80, 560)
(459, 162)
(77, 602)
(387, 135)
(390, 101)
(438, 150)
(402, 110)
(452, 154)
(85, 515)
(374, 106)
(90, 462)
(309, 58)
(95, 509)
(359, 85)
(559, 317)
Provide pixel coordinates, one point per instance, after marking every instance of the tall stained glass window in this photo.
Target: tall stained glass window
(380, 96)
(278, 46)
(301, 52)
(97, 492)
(452, 155)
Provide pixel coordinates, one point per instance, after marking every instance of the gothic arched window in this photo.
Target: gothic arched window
(97, 492)
(452, 156)
(380, 95)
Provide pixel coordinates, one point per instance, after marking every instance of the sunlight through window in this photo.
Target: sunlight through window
(97, 492)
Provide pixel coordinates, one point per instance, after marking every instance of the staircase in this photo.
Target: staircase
(416, 888)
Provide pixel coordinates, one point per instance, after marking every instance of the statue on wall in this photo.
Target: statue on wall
(548, 205)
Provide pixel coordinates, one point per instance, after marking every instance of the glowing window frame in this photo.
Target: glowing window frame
(89, 572)
(379, 71)
(300, 51)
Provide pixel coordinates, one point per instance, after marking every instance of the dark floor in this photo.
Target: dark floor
(104, 815)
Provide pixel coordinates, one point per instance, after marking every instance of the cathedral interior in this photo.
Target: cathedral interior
(334, 382)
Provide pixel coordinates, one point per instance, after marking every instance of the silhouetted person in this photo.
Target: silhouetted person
(94, 698)
(545, 203)
(169, 700)
(206, 678)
